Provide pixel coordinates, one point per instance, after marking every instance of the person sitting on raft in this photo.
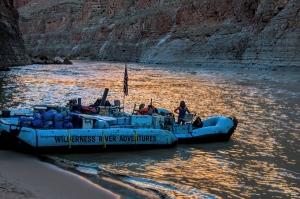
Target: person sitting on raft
(147, 111)
(181, 110)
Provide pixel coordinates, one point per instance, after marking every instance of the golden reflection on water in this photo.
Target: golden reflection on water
(165, 89)
(259, 161)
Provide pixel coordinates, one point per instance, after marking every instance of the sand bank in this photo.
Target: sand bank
(25, 176)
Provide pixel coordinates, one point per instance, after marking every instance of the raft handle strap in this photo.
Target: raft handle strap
(69, 139)
(192, 136)
(166, 138)
(135, 137)
(15, 131)
(36, 143)
(104, 140)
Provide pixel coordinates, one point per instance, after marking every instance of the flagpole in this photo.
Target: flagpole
(124, 102)
(125, 89)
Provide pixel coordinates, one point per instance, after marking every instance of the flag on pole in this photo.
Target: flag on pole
(125, 81)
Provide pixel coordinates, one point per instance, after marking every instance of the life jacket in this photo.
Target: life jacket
(144, 111)
(182, 112)
(151, 109)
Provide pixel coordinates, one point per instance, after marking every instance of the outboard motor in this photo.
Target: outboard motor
(235, 121)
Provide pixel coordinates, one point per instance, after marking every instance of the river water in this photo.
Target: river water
(261, 160)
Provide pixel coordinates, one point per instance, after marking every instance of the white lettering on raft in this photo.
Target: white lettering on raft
(109, 138)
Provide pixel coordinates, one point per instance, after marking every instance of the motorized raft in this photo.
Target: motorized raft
(55, 131)
(100, 127)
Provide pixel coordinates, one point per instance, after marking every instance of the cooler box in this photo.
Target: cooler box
(157, 120)
(87, 121)
(139, 120)
(107, 110)
(20, 113)
(104, 112)
(113, 110)
(169, 120)
(122, 121)
(108, 119)
(182, 128)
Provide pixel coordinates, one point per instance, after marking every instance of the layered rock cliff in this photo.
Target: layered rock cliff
(12, 49)
(248, 33)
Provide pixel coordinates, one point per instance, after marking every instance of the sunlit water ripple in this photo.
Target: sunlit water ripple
(260, 160)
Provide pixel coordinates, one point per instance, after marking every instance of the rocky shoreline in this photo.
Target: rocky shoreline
(44, 59)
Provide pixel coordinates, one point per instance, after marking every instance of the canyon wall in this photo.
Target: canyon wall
(12, 49)
(20, 3)
(247, 33)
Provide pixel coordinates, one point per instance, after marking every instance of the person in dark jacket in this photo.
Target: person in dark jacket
(181, 110)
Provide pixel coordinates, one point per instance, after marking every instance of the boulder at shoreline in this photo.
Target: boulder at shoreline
(44, 59)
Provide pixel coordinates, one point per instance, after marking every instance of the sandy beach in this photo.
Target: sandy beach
(25, 176)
